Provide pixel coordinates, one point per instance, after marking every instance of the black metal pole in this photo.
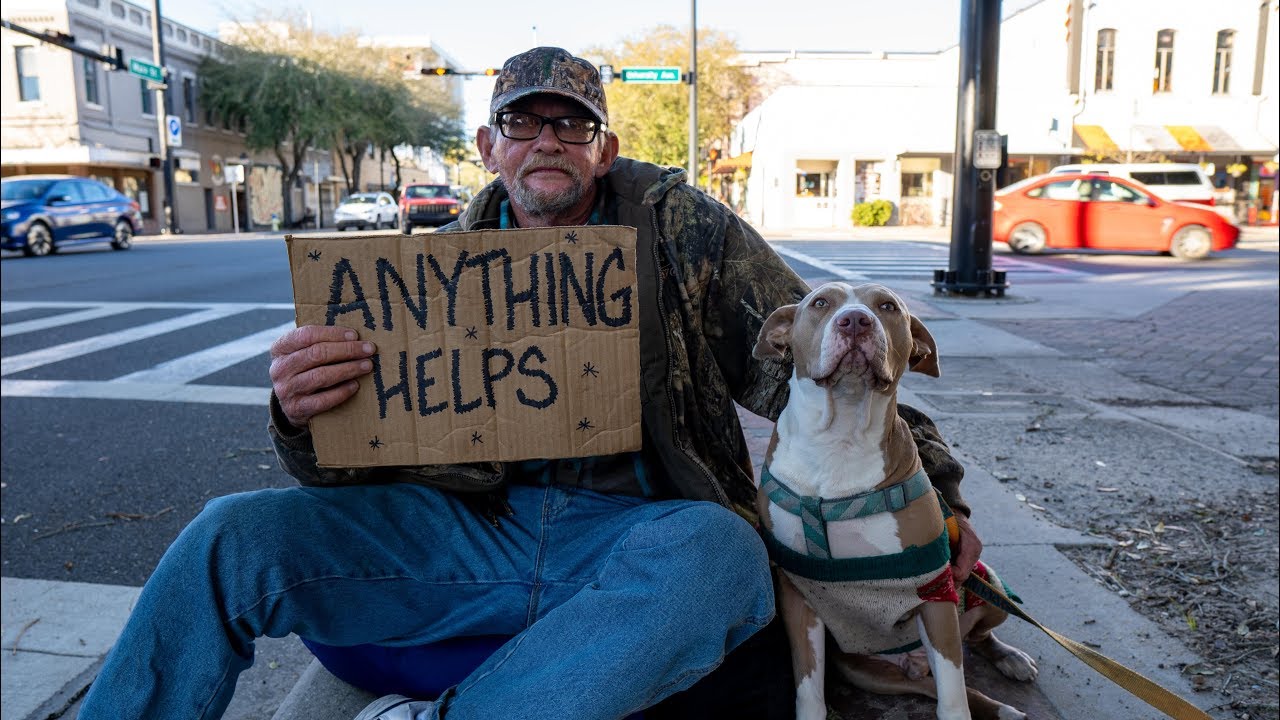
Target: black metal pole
(970, 270)
(170, 218)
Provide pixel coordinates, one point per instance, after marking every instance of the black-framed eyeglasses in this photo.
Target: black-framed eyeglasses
(570, 129)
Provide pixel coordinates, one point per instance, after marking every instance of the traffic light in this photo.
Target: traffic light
(438, 71)
(713, 154)
(490, 72)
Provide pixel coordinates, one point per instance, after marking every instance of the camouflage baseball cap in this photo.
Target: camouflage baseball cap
(550, 70)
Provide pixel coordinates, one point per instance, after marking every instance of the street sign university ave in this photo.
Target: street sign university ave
(146, 70)
(666, 75)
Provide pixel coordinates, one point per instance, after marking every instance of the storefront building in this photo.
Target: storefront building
(839, 129)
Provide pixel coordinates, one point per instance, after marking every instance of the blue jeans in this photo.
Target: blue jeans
(613, 602)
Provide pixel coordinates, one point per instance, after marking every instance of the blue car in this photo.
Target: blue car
(42, 213)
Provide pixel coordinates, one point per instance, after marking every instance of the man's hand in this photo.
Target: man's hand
(965, 553)
(314, 369)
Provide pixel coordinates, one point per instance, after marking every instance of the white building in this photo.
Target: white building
(843, 128)
(64, 113)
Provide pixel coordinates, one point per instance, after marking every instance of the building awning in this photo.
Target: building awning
(728, 165)
(1171, 139)
(1095, 139)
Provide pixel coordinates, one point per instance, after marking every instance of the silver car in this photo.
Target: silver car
(367, 210)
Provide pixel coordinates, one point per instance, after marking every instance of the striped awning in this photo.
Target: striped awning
(1171, 139)
(1095, 139)
(728, 165)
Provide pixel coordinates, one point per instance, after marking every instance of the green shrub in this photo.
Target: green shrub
(874, 213)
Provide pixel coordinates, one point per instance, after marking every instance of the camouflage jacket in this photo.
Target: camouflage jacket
(707, 281)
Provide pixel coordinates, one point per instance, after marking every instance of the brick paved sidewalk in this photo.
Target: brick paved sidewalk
(1220, 346)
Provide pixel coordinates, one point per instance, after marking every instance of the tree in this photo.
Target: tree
(653, 120)
(272, 96)
(294, 89)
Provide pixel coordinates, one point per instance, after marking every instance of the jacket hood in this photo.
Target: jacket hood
(641, 182)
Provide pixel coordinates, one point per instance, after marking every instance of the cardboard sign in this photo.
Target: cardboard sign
(495, 345)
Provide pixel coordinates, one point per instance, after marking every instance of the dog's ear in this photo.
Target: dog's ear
(924, 351)
(775, 335)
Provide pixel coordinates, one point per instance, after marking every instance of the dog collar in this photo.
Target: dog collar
(816, 512)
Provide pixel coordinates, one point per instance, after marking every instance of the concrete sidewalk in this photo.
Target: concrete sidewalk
(54, 634)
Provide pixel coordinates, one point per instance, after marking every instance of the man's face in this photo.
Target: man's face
(545, 176)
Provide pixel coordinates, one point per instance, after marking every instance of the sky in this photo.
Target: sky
(484, 33)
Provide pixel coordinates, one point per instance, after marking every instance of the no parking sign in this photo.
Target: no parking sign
(173, 130)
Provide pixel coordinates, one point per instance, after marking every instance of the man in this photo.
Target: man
(620, 580)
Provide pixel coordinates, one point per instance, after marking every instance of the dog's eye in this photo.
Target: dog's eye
(820, 303)
(888, 306)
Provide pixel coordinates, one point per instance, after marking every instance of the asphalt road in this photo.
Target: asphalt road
(98, 482)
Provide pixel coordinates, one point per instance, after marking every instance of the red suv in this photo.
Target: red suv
(427, 204)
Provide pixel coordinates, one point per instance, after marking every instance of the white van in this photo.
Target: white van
(1186, 182)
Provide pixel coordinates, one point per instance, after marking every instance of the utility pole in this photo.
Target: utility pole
(166, 155)
(977, 156)
(693, 92)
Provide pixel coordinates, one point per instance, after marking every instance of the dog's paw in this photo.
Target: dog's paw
(1010, 713)
(915, 664)
(1017, 665)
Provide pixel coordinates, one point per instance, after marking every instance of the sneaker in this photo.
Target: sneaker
(398, 707)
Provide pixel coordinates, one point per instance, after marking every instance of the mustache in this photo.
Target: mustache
(549, 162)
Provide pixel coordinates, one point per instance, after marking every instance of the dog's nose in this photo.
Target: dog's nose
(854, 321)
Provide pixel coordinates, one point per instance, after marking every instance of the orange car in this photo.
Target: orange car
(1103, 212)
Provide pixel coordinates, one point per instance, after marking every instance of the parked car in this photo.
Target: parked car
(1185, 182)
(42, 213)
(428, 204)
(1078, 210)
(366, 210)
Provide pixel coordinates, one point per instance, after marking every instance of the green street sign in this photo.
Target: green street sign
(146, 70)
(665, 75)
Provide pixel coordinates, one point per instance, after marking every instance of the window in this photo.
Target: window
(1162, 75)
(91, 94)
(917, 184)
(94, 192)
(1063, 190)
(1103, 74)
(189, 98)
(182, 35)
(814, 184)
(28, 72)
(148, 98)
(1108, 191)
(135, 17)
(67, 191)
(1222, 62)
(117, 10)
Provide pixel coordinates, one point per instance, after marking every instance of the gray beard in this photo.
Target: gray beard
(543, 204)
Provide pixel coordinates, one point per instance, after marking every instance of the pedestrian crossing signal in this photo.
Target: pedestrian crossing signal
(437, 71)
(490, 72)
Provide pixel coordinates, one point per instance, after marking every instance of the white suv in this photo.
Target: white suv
(1185, 182)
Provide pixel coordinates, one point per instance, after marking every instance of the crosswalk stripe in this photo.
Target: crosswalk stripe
(901, 259)
(189, 367)
(114, 390)
(57, 353)
(70, 318)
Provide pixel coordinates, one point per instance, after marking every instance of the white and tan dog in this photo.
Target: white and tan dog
(852, 521)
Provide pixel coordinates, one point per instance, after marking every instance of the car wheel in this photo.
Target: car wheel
(123, 238)
(395, 222)
(1191, 243)
(1027, 238)
(406, 228)
(39, 241)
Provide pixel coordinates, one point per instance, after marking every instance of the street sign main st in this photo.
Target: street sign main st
(146, 70)
(665, 75)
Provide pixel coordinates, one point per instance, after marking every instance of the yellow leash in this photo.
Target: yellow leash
(1134, 682)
